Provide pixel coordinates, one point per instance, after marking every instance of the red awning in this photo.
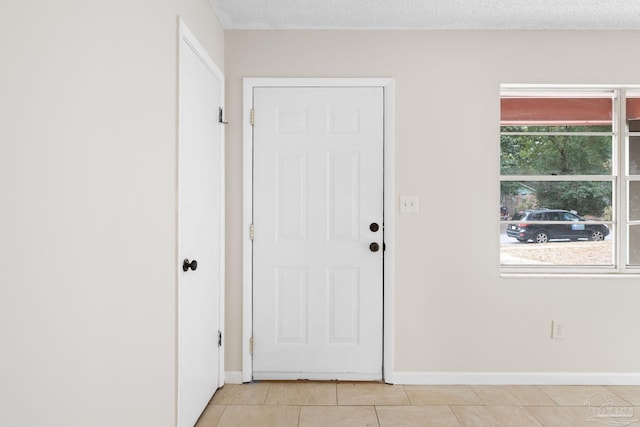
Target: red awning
(633, 108)
(557, 111)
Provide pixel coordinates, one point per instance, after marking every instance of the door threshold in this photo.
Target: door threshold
(315, 376)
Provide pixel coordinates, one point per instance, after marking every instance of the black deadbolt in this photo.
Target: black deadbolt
(374, 227)
(374, 247)
(186, 265)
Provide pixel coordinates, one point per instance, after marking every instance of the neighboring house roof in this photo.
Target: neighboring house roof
(525, 189)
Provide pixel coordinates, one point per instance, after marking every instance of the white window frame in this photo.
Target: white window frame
(619, 177)
(626, 178)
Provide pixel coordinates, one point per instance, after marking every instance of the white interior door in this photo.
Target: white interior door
(201, 232)
(318, 247)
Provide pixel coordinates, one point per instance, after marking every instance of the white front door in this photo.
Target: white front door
(318, 247)
(200, 231)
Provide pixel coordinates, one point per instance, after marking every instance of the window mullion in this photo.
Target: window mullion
(622, 201)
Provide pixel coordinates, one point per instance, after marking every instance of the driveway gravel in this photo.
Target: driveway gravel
(558, 253)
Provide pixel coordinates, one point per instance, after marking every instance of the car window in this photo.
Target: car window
(554, 216)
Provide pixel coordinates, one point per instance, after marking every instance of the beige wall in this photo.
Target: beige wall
(88, 98)
(453, 313)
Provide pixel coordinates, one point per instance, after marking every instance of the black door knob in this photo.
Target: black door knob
(374, 247)
(374, 227)
(186, 265)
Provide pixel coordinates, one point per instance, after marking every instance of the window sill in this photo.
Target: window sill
(529, 275)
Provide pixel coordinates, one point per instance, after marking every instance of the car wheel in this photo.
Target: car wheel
(541, 237)
(596, 236)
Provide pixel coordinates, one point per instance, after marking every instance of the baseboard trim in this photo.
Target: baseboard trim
(233, 377)
(517, 378)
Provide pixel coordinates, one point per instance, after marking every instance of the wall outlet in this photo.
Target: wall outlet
(409, 204)
(557, 330)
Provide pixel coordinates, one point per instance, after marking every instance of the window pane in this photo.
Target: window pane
(634, 245)
(555, 155)
(634, 155)
(633, 108)
(580, 239)
(590, 199)
(633, 193)
(634, 125)
(566, 250)
(634, 200)
(556, 110)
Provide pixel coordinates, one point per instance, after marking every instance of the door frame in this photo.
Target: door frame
(186, 35)
(387, 84)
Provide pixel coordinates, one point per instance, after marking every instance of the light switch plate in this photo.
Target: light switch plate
(409, 204)
(557, 330)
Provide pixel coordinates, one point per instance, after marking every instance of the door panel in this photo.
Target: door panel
(344, 293)
(318, 181)
(344, 188)
(292, 207)
(291, 310)
(200, 215)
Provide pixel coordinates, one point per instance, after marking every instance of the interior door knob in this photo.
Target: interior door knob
(374, 227)
(186, 265)
(374, 247)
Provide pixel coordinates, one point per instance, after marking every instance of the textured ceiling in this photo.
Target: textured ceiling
(428, 14)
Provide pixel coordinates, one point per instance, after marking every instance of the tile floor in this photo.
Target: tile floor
(337, 404)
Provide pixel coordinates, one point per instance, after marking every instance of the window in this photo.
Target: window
(570, 179)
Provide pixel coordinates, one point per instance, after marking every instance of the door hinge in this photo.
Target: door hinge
(252, 232)
(251, 345)
(219, 338)
(220, 117)
(252, 117)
